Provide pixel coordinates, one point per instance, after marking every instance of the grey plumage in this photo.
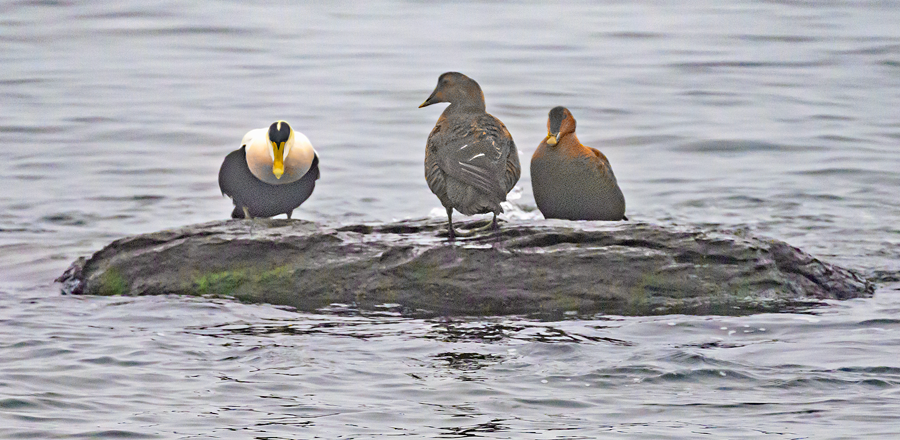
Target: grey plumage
(471, 161)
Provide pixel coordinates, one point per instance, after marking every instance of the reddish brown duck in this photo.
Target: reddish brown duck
(571, 181)
(471, 161)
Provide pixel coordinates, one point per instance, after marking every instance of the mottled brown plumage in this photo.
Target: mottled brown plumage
(471, 161)
(571, 181)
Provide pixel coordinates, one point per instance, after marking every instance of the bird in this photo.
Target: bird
(471, 161)
(571, 181)
(273, 172)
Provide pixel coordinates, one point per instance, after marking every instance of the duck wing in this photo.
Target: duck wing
(234, 172)
(474, 151)
(600, 156)
(513, 168)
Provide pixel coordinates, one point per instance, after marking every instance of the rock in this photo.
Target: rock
(539, 268)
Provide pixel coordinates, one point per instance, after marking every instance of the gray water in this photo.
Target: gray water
(777, 118)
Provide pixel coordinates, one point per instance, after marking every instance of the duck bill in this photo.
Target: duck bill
(551, 139)
(278, 162)
(431, 100)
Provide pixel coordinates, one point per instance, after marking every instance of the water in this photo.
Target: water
(777, 118)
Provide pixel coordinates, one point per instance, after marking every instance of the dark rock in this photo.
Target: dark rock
(543, 268)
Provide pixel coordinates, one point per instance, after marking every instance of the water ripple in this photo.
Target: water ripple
(780, 124)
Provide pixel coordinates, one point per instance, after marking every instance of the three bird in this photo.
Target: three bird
(471, 164)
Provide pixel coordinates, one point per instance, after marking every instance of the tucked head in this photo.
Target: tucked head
(458, 89)
(279, 136)
(559, 123)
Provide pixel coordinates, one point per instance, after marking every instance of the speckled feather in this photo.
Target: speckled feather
(471, 161)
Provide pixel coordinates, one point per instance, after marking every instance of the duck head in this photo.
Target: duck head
(280, 137)
(457, 89)
(559, 123)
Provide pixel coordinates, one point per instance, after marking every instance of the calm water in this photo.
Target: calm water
(779, 118)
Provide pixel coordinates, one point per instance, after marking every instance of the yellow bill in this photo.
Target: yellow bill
(278, 165)
(551, 140)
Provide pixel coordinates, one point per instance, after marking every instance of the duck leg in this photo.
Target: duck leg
(453, 233)
(248, 217)
(493, 225)
(450, 232)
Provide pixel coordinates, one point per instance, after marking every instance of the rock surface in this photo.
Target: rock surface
(537, 268)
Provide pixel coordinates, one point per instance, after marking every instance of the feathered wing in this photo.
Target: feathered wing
(602, 163)
(600, 156)
(513, 169)
(476, 154)
(233, 172)
(613, 194)
(433, 173)
(314, 167)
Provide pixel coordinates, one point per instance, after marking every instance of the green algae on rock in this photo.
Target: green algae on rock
(540, 268)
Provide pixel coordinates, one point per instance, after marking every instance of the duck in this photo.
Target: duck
(471, 161)
(273, 172)
(571, 181)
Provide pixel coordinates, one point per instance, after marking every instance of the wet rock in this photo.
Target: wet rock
(542, 268)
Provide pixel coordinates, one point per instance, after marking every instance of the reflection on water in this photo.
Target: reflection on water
(771, 118)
